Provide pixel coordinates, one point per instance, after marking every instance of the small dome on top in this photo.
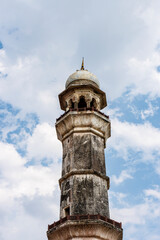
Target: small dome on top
(82, 77)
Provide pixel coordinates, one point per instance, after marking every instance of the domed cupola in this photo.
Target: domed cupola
(82, 77)
(82, 91)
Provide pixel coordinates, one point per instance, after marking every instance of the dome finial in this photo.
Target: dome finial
(82, 66)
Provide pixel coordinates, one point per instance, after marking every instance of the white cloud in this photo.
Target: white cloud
(155, 193)
(136, 137)
(158, 166)
(44, 144)
(122, 177)
(18, 180)
(29, 219)
(38, 59)
(114, 112)
(26, 87)
(133, 215)
(146, 78)
(137, 218)
(23, 188)
(149, 112)
(16, 127)
(117, 197)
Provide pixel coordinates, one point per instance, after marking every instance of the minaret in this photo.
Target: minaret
(83, 130)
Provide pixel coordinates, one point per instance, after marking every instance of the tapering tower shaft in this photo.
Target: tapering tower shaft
(83, 130)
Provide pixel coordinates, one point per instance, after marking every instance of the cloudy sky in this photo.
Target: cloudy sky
(41, 44)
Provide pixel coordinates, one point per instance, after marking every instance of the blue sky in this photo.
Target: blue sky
(41, 44)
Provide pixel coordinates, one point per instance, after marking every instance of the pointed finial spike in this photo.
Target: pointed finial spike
(82, 66)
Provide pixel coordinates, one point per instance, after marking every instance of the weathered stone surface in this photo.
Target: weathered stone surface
(86, 121)
(89, 195)
(89, 230)
(84, 194)
(83, 135)
(83, 151)
(80, 76)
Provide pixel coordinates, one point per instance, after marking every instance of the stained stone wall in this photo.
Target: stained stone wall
(83, 151)
(89, 195)
(81, 190)
(84, 194)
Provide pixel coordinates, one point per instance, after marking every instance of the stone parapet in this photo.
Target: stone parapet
(85, 227)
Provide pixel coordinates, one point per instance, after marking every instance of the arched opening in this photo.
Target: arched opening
(82, 103)
(93, 103)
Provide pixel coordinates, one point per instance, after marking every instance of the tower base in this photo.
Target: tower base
(85, 229)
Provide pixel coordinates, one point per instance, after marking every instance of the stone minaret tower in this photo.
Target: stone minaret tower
(83, 130)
